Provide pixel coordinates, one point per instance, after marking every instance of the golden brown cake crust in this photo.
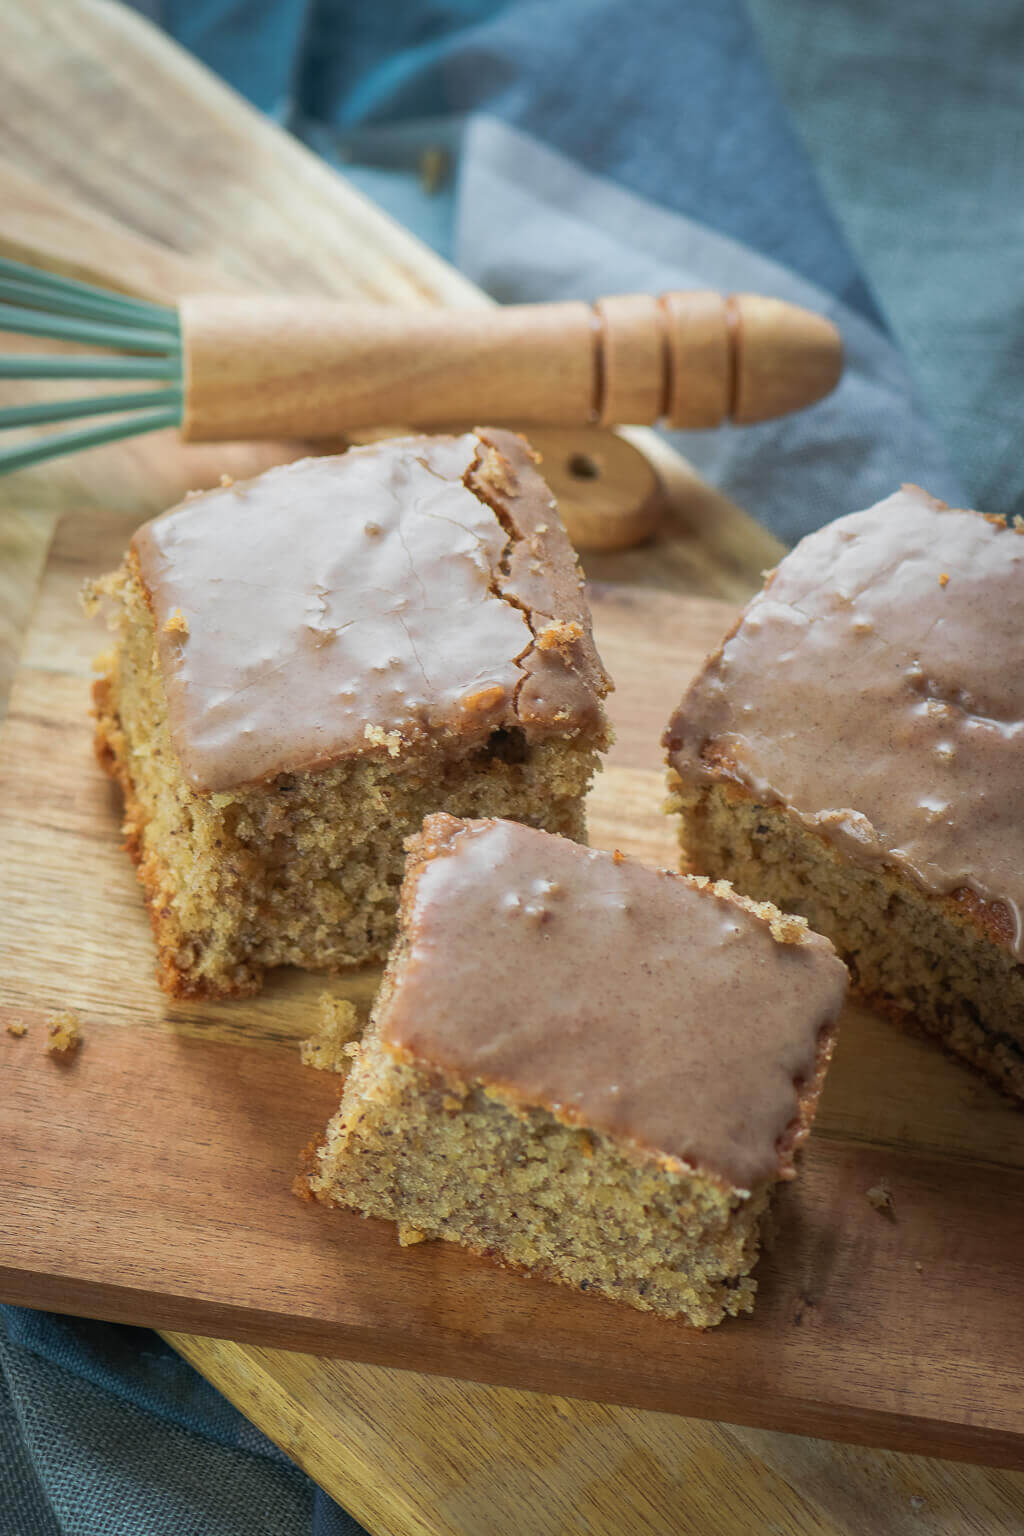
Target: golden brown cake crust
(153, 875)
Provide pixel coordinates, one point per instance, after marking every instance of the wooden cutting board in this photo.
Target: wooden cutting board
(150, 1181)
(176, 164)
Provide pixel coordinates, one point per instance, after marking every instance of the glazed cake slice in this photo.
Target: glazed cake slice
(855, 752)
(308, 663)
(589, 1069)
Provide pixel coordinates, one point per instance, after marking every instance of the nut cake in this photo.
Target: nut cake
(588, 1069)
(309, 662)
(854, 752)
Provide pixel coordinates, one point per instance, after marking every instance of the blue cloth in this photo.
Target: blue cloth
(600, 146)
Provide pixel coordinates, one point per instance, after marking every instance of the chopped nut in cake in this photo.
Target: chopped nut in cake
(586, 1068)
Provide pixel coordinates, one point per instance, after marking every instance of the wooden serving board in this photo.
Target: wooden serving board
(149, 1179)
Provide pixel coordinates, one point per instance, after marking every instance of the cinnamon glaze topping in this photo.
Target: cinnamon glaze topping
(347, 605)
(643, 1004)
(875, 687)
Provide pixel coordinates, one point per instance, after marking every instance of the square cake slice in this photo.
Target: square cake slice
(854, 752)
(308, 663)
(586, 1068)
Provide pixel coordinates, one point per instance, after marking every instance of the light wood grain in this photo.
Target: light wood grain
(499, 1462)
(211, 179)
(274, 366)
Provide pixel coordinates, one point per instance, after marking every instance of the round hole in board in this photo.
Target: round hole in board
(583, 467)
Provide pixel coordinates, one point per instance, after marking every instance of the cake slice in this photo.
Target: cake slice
(589, 1069)
(309, 662)
(855, 752)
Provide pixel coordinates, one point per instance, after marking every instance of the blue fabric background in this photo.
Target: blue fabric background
(605, 144)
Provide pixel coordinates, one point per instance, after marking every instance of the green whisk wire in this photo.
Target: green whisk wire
(43, 304)
(86, 437)
(85, 366)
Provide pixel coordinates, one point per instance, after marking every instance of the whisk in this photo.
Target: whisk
(237, 367)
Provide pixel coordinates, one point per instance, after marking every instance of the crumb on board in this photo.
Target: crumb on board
(17, 1028)
(919, 1266)
(63, 1034)
(879, 1197)
(331, 1047)
(409, 1236)
(944, 579)
(176, 624)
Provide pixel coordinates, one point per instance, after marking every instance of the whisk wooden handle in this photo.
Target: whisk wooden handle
(278, 367)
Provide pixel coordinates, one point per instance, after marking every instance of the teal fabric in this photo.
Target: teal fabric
(913, 113)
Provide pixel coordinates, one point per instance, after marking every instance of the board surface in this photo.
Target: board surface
(149, 1178)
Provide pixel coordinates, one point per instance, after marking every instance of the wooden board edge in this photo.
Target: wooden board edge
(794, 1415)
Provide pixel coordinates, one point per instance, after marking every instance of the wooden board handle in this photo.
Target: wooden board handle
(280, 367)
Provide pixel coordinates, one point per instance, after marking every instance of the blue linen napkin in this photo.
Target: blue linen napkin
(599, 146)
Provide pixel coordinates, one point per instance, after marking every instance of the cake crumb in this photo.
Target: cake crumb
(329, 1049)
(919, 1266)
(408, 1236)
(483, 699)
(787, 928)
(944, 579)
(494, 469)
(64, 1034)
(177, 624)
(381, 738)
(227, 481)
(618, 857)
(17, 1028)
(559, 635)
(879, 1197)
